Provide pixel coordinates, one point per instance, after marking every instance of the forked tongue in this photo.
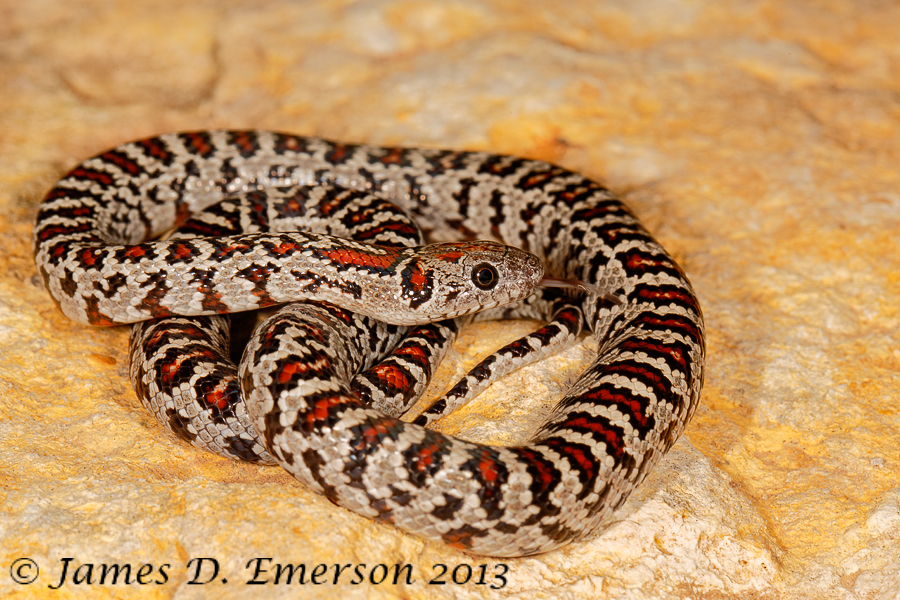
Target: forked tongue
(582, 286)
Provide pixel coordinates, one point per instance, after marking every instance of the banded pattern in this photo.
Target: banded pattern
(601, 440)
(564, 327)
(182, 368)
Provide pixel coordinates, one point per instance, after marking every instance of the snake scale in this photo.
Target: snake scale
(599, 442)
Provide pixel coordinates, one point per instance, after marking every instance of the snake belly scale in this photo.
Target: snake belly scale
(600, 441)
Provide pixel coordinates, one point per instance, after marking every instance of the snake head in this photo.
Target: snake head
(452, 279)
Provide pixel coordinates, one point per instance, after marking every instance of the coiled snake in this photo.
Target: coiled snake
(603, 437)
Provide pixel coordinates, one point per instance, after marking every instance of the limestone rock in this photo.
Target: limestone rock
(758, 140)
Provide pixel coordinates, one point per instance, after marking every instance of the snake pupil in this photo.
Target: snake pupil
(485, 276)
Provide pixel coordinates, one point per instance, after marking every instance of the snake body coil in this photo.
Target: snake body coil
(601, 440)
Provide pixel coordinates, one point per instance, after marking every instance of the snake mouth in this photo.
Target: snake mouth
(581, 286)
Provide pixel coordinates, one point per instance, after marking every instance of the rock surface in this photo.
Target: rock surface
(757, 139)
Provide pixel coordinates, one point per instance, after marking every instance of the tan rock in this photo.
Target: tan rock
(757, 139)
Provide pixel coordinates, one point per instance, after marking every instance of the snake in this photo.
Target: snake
(496, 224)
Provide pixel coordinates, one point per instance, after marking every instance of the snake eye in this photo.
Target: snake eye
(485, 276)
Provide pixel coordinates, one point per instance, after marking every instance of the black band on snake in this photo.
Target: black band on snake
(603, 437)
